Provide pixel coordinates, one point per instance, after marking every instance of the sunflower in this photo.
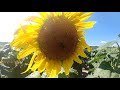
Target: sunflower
(55, 39)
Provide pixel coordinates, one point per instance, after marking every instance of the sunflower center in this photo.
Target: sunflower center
(58, 38)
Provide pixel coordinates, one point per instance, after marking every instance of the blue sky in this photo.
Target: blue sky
(106, 29)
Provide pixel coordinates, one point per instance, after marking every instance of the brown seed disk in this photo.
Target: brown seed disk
(58, 38)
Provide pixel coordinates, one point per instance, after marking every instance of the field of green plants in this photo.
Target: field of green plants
(101, 62)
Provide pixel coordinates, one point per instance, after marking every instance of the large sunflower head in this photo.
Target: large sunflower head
(55, 39)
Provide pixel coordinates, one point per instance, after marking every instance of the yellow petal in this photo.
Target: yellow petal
(67, 64)
(80, 33)
(58, 13)
(77, 59)
(76, 20)
(41, 68)
(55, 69)
(85, 44)
(31, 62)
(27, 29)
(49, 66)
(70, 15)
(19, 37)
(43, 14)
(25, 52)
(52, 14)
(80, 51)
(67, 14)
(58, 66)
(17, 43)
(21, 29)
(20, 42)
(34, 19)
(86, 25)
(75, 14)
(86, 16)
(38, 62)
(82, 17)
(53, 73)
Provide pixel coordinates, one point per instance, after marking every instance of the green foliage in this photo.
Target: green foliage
(101, 73)
(106, 62)
(10, 66)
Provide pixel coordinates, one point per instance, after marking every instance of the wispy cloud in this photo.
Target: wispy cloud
(103, 42)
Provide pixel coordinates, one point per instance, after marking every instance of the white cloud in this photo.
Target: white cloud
(9, 22)
(103, 42)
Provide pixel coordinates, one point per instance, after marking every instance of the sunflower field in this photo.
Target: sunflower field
(54, 46)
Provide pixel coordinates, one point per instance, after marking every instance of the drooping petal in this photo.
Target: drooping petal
(58, 66)
(67, 64)
(80, 50)
(83, 43)
(49, 67)
(25, 52)
(39, 61)
(55, 70)
(77, 59)
(41, 68)
(31, 62)
(53, 73)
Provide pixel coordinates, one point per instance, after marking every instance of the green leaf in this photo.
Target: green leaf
(97, 58)
(106, 66)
